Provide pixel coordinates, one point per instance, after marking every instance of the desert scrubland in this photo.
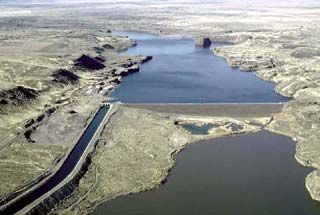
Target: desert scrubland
(49, 92)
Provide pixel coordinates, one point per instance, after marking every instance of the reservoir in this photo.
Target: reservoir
(250, 174)
(180, 72)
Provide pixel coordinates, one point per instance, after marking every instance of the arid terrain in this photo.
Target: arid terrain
(48, 95)
(49, 91)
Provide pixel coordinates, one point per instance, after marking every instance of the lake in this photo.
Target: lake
(181, 73)
(251, 174)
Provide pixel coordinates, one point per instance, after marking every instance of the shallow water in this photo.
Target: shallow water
(250, 174)
(199, 129)
(179, 72)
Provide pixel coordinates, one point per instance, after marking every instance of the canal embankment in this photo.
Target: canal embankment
(63, 181)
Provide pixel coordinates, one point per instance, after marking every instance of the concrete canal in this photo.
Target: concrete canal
(66, 168)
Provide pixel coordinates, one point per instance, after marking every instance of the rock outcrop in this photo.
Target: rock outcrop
(17, 96)
(100, 59)
(87, 62)
(98, 50)
(203, 42)
(146, 59)
(108, 46)
(65, 77)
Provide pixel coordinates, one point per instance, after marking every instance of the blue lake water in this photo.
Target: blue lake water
(254, 174)
(180, 72)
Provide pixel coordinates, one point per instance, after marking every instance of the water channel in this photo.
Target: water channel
(67, 167)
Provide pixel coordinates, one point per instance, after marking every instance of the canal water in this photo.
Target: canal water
(254, 174)
(180, 72)
(66, 168)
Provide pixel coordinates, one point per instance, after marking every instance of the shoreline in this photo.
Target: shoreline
(166, 173)
(126, 196)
